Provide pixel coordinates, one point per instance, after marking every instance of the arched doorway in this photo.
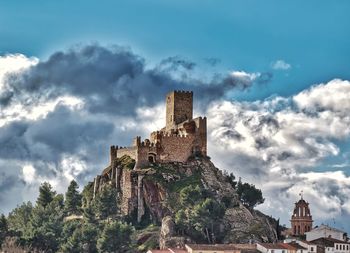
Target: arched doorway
(152, 157)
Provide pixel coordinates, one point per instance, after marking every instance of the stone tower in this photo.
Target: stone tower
(301, 220)
(179, 108)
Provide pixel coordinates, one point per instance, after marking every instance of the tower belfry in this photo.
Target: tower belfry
(301, 220)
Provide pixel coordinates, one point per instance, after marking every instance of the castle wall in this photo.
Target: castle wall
(132, 151)
(127, 192)
(176, 148)
(201, 134)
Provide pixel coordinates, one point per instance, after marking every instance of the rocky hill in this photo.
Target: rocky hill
(178, 196)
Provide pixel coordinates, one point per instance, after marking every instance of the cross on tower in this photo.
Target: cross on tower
(301, 194)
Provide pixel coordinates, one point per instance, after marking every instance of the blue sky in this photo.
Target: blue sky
(310, 39)
(312, 36)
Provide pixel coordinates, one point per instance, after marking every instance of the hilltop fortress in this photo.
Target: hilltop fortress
(181, 138)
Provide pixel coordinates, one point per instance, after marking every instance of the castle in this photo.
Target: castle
(181, 138)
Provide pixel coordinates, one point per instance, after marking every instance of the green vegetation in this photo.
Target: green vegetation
(3, 228)
(81, 222)
(46, 226)
(126, 162)
(199, 215)
(73, 203)
(249, 195)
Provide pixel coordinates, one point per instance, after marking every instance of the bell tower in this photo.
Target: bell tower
(301, 220)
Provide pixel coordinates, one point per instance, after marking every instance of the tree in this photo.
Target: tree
(73, 199)
(106, 202)
(69, 228)
(190, 195)
(231, 179)
(46, 194)
(115, 237)
(89, 238)
(18, 219)
(89, 215)
(3, 229)
(249, 195)
(46, 223)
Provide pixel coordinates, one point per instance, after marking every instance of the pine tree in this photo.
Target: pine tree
(73, 199)
(115, 237)
(46, 222)
(18, 219)
(89, 238)
(3, 229)
(46, 194)
(106, 202)
(89, 215)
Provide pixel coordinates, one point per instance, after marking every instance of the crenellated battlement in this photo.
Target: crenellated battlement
(182, 136)
(183, 92)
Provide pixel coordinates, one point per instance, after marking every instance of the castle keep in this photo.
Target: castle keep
(180, 138)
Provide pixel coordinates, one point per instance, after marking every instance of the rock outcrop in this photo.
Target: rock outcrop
(151, 193)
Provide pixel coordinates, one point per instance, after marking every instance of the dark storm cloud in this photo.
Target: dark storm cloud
(111, 80)
(45, 141)
(7, 182)
(175, 62)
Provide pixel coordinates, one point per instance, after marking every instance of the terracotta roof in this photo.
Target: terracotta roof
(158, 251)
(177, 250)
(296, 246)
(212, 246)
(245, 246)
(328, 242)
(336, 240)
(290, 246)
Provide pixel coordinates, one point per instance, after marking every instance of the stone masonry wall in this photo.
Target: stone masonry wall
(201, 134)
(179, 107)
(127, 192)
(176, 148)
(127, 151)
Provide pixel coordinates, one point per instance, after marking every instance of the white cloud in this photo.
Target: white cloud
(278, 143)
(245, 77)
(281, 65)
(14, 63)
(28, 172)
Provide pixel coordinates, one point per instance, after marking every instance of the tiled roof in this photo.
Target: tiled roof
(212, 246)
(158, 251)
(274, 245)
(296, 245)
(177, 250)
(328, 242)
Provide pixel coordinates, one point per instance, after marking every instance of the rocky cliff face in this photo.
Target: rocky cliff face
(152, 193)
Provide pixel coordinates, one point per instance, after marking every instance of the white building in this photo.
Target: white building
(325, 231)
(280, 248)
(311, 247)
(331, 245)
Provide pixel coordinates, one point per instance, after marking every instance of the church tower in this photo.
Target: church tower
(301, 220)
